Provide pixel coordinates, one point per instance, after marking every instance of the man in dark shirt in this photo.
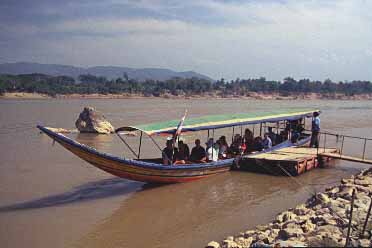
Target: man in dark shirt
(169, 153)
(315, 129)
(183, 151)
(198, 152)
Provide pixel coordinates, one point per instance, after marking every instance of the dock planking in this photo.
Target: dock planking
(292, 160)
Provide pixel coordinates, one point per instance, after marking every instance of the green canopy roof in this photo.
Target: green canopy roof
(221, 121)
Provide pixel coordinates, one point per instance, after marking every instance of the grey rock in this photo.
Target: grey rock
(213, 244)
(366, 181)
(285, 234)
(364, 243)
(301, 210)
(323, 198)
(346, 192)
(262, 227)
(92, 121)
(308, 226)
(244, 242)
(285, 216)
(290, 243)
(229, 244)
(325, 241)
(330, 229)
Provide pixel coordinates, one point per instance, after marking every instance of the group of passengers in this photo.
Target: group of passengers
(240, 145)
(219, 149)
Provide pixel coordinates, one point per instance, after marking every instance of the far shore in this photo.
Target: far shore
(250, 96)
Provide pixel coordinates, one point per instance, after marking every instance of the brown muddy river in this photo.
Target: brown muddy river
(50, 198)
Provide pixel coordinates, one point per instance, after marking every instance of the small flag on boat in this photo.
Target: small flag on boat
(179, 127)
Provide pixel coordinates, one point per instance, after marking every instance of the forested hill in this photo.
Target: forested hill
(89, 84)
(110, 72)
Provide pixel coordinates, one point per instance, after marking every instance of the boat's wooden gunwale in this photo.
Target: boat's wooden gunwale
(138, 170)
(97, 160)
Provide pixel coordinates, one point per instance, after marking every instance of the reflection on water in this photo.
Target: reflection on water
(95, 209)
(188, 215)
(97, 141)
(87, 192)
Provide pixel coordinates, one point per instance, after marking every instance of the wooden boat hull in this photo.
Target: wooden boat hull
(139, 170)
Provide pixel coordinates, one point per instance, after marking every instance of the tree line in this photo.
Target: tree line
(90, 84)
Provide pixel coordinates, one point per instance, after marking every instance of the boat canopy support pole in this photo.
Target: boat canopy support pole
(233, 133)
(261, 129)
(130, 148)
(213, 142)
(277, 128)
(139, 147)
(157, 145)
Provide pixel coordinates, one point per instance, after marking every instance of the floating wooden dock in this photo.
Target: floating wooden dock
(290, 160)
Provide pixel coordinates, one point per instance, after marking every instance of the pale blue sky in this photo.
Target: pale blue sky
(314, 39)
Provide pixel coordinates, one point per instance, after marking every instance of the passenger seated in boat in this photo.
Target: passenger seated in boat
(198, 152)
(282, 137)
(257, 144)
(169, 153)
(272, 135)
(297, 130)
(183, 154)
(223, 147)
(212, 150)
(266, 142)
(248, 140)
(236, 146)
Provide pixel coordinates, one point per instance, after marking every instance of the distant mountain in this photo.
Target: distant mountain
(109, 72)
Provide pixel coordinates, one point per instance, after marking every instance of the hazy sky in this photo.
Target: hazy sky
(314, 39)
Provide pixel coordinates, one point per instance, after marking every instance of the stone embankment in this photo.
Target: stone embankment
(321, 222)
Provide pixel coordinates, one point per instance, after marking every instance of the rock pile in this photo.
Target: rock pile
(321, 222)
(92, 121)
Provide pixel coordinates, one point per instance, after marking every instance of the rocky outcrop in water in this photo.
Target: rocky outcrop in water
(92, 121)
(321, 222)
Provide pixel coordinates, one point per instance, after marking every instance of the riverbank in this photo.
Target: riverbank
(321, 222)
(213, 95)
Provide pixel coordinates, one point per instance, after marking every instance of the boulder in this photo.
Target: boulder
(262, 228)
(346, 192)
(227, 243)
(213, 244)
(244, 242)
(301, 210)
(249, 233)
(323, 198)
(333, 191)
(285, 234)
(285, 216)
(330, 230)
(364, 243)
(308, 226)
(325, 241)
(290, 243)
(92, 121)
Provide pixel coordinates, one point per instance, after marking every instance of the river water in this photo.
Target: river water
(50, 198)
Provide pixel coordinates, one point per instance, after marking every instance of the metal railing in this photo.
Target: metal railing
(342, 138)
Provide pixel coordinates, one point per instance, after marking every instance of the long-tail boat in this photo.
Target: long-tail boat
(152, 170)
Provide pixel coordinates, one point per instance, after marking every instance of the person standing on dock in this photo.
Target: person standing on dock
(315, 129)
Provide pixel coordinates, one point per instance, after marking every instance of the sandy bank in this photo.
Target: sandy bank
(24, 95)
(213, 95)
(321, 222)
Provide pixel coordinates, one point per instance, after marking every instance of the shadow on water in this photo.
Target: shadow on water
(87, 192)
